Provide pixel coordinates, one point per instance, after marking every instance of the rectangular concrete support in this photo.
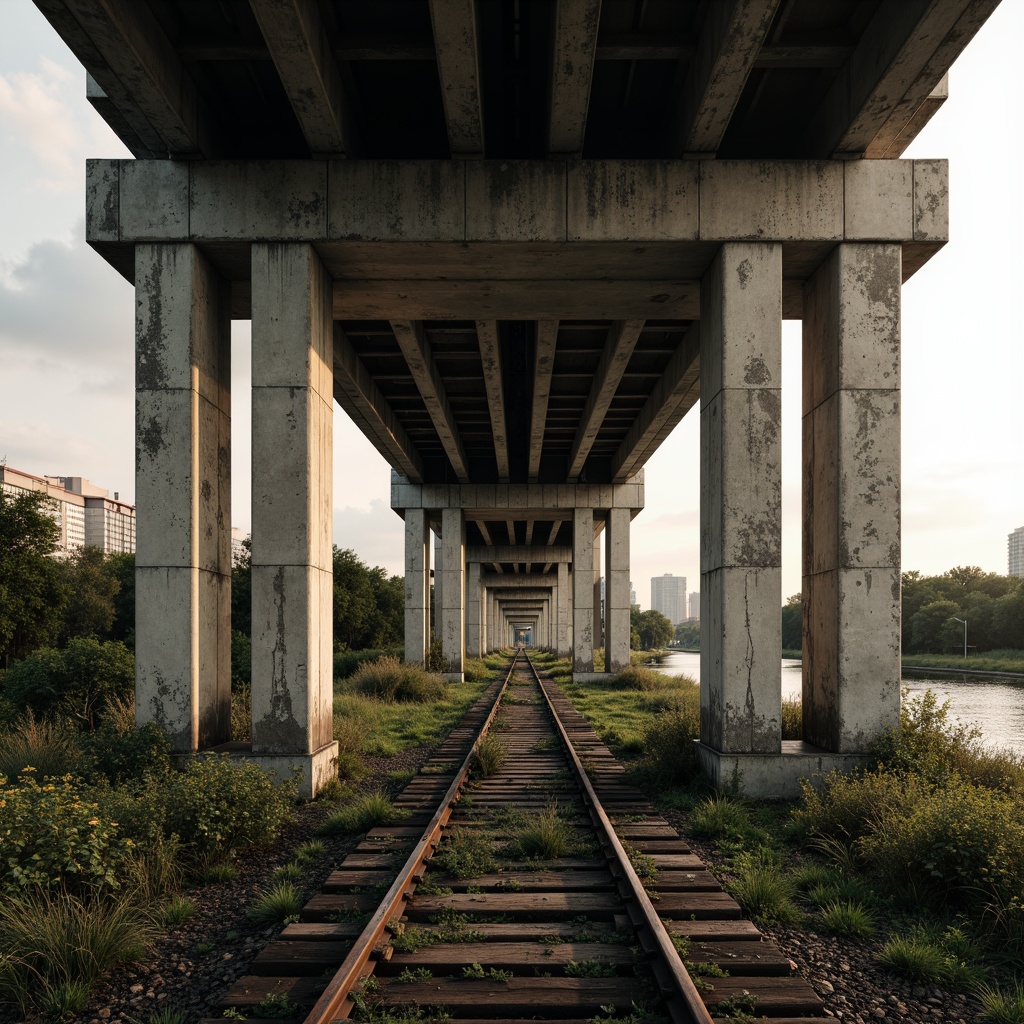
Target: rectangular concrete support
(616, 591)
(562, 645)
(452, 574)
(183, 490)
(417, 586)
(741, 482)
(292, 576)
(473, 610)
(851, 497)
(583, 590)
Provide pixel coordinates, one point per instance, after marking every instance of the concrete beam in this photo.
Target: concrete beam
(412, 340)
(137, 59)
(903, 55)
(517, 553)
(301, 52)
(359, 396)
(619, 347)
(572, 69)
(490, 356)
(555, 527)
(542, 214)
(669, 401)
(458, 66)
(731, 38)
(543, 365)
(485, 531)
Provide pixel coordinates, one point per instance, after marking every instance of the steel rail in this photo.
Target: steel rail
(682, 999)
(335, 1003)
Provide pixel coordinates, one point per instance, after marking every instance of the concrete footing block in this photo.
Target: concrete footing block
(774, 776)
(310, 771)
(453, 677)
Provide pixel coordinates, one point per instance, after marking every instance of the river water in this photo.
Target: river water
(995, 706)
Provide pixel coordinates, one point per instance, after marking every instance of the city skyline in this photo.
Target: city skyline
(66, 333)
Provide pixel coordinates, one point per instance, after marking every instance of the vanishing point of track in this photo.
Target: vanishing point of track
(575, 938)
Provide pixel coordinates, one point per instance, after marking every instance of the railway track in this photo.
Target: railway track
(550, 889)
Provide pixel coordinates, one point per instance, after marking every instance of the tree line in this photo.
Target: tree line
(992, 604)
(67, 624)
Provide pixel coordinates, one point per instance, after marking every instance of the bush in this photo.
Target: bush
(792, 718)
(670, 751)
(949, 843)
(221, 807)
(928, 744)
(720, 818)
(346, 662)
(763, 890)
(56, 838)
(78, 681)
(124, 757)
(390, 679)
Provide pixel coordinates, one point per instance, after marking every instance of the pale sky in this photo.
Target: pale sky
(66, 333)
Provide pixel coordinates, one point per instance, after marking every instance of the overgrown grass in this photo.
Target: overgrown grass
(489, 757)
(990, 661)
(464, 853)
(545, 835)
(845, 917)
(363, 813)
(55, 946)
(49, 746)
(370, 726)
(390, 679)
(1002, 1005)
(763, 888)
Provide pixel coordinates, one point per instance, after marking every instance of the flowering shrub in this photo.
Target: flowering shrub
(52, 836)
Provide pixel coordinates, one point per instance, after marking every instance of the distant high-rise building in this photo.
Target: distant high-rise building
(1015, 551)
(632, 595)
(668, 596)
(86, 514)
(694, 605)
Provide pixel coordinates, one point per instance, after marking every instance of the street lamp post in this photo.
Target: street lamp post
(964, 621)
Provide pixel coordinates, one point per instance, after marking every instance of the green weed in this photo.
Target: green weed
(847, 918)
(489, 757)
(365, 812)
(177, 911)
(1001, 1005)
(279, 904)
(546, 835)
(464, 853)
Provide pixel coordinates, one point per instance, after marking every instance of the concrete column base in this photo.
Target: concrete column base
(592, 677)
(453, 677)
(310, 771)
(773, 776)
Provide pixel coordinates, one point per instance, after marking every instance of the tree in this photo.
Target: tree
(92, 587)
(241, 590)
(793, 624)
(122, 568)
(931, 627)
(688, 634)
(78, 681)
(354, 605)
(1008, 620)
(654, 630)
(32, 592)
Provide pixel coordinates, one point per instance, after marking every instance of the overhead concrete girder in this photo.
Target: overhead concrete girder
(456, 216)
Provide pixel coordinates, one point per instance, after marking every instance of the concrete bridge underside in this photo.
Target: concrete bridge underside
(517, 283)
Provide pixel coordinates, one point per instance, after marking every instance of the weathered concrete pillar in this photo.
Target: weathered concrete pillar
(851, 496)
(600, 605)
(417, 585)
(562, 648)
(452, 574)
(583, 589)
(292, 573)
(484, 612)
(740, 470)
(616, 591)
(183, 490)
(437, 584)
(473, 610)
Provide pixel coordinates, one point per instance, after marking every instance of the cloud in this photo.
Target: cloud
(376, 534)
(30, 447)
(62, 304)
